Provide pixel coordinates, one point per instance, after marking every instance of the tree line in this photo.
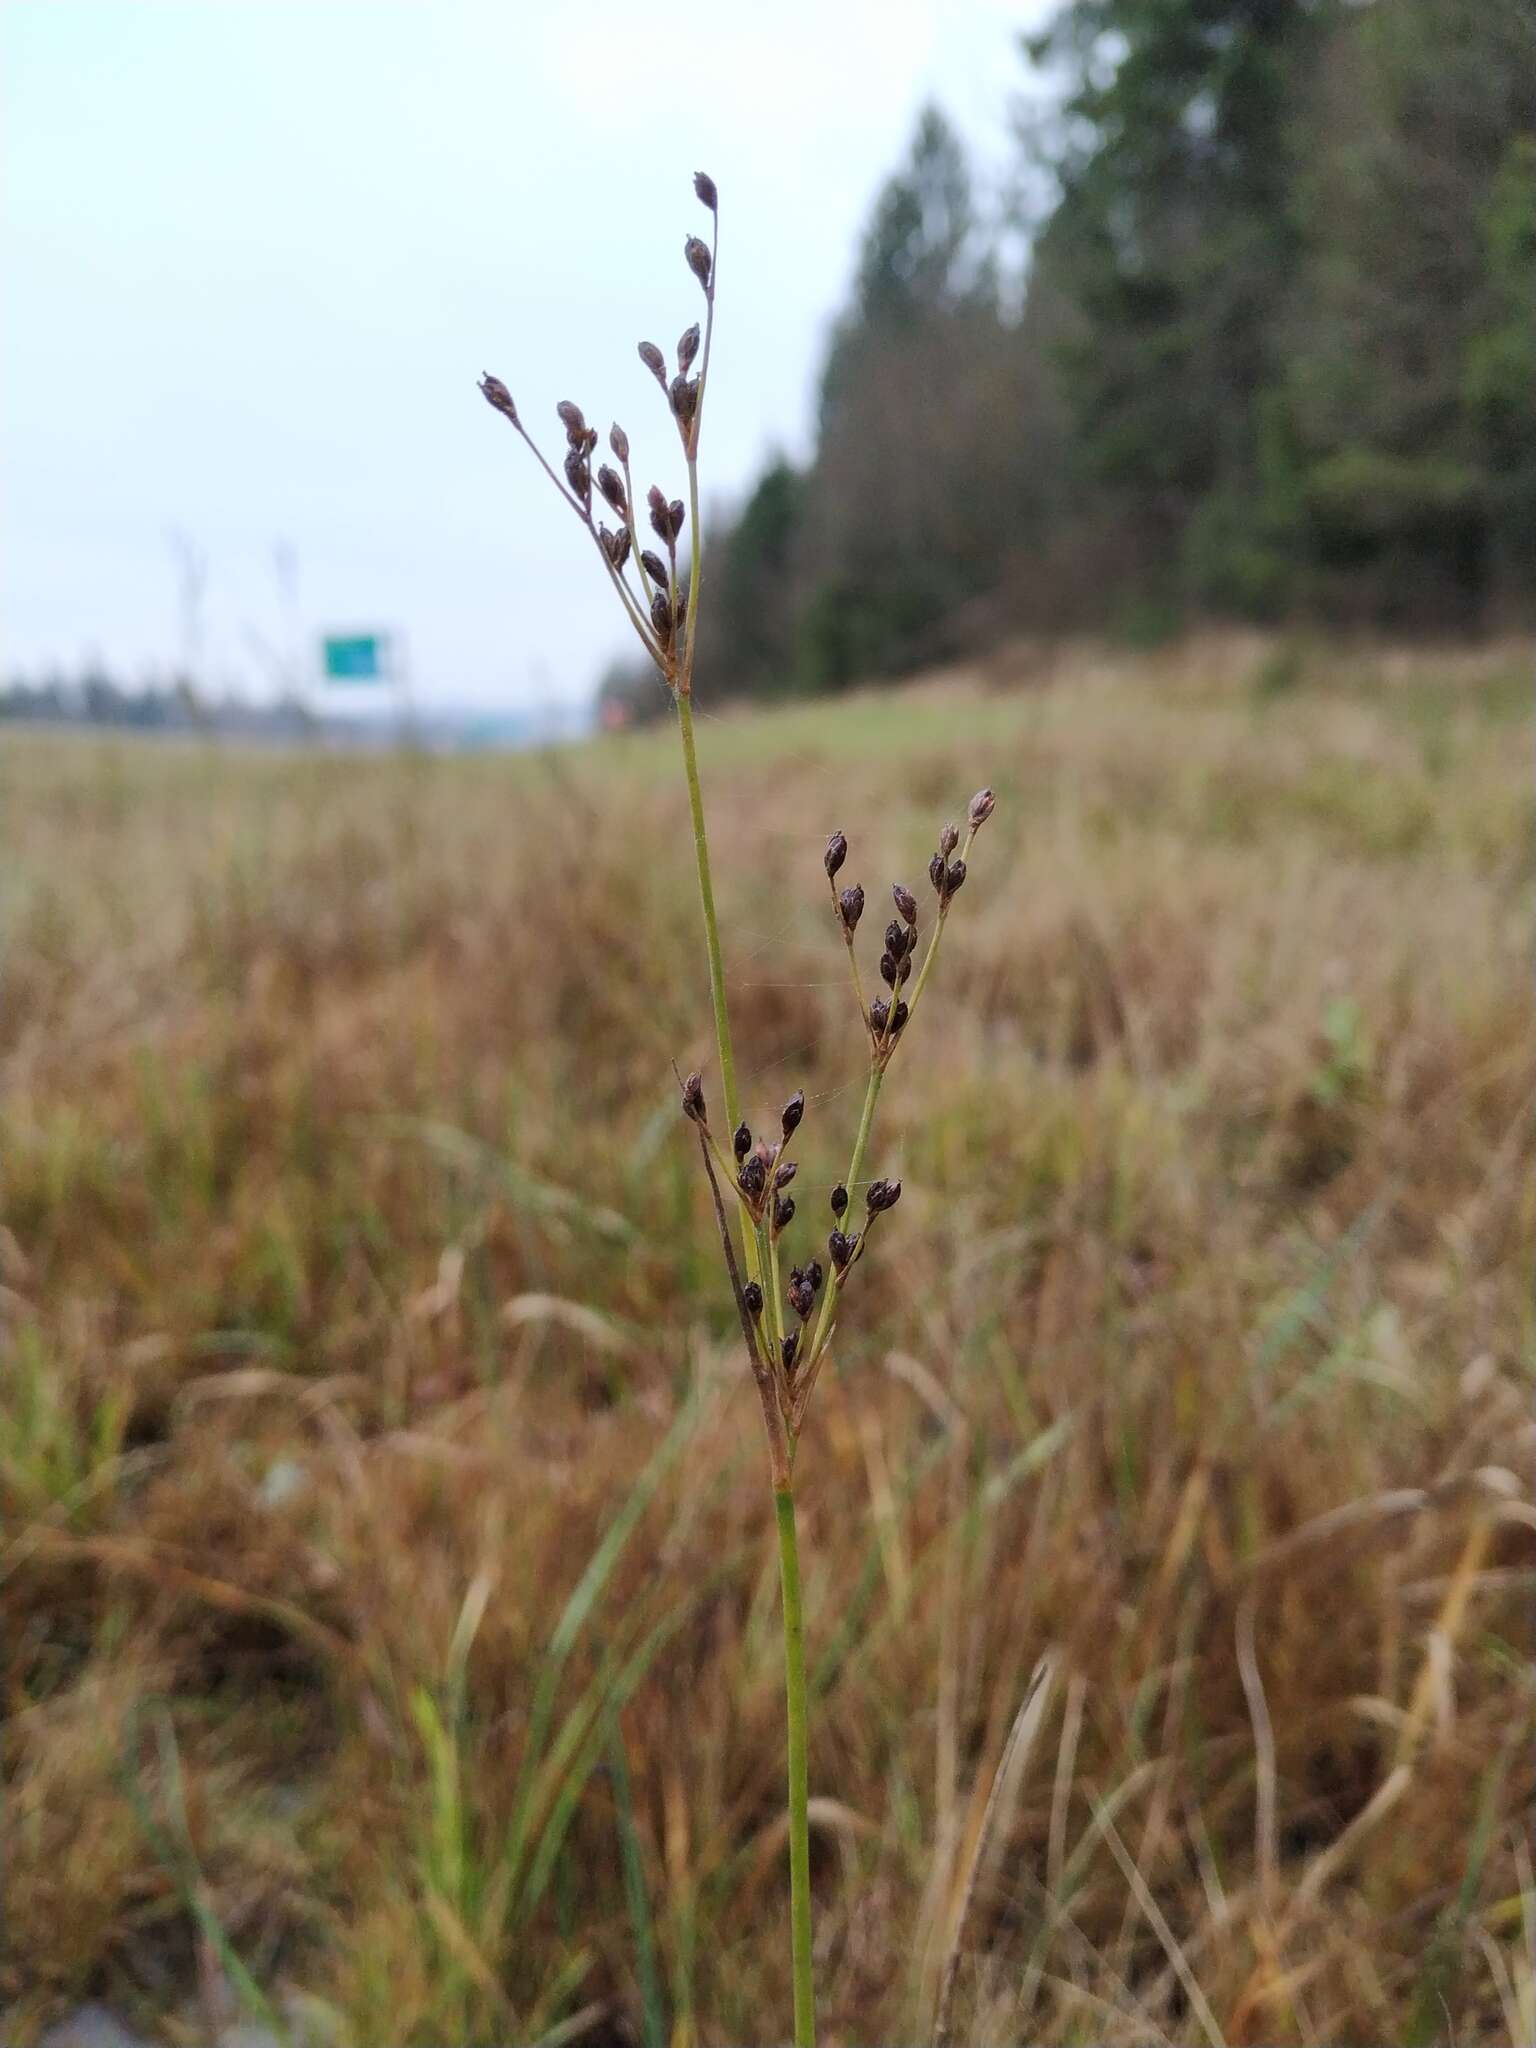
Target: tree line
(1271, 355)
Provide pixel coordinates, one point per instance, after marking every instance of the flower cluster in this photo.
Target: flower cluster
(656, 601)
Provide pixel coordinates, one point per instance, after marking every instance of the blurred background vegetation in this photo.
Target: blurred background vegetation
(1253, 336)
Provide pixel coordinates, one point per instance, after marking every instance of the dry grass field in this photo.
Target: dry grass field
(388, 1586)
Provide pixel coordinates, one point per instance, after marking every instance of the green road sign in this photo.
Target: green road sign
(354, 658)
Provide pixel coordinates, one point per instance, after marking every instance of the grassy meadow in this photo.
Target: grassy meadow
(388, 1586)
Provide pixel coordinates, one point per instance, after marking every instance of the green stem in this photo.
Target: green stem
(711, 923)
(799, 1781)
(829, 1297)
(716, 967)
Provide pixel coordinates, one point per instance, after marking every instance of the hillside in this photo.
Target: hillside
(387, 1580)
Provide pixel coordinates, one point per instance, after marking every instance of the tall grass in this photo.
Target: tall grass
(360, 1316)
(785, 1352)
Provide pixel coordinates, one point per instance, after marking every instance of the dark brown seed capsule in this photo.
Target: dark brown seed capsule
(752, 1294)
(836, 854)
(883, 1194)
(936, 872)
(653, 565)
(693, 1098)
(982, 805)
(661, 519)
(704, 186)
(903, 968)
(897, 939)
(954, 878)
(888, 969)
(618, 441)
(838, 1249)
(793, 1111)
(839, 1199)
(753, 1178)
(497, 394)
(906, 902)
(949, 839)
(879, 1015)
(688, 347)
(814, 1274)
(783, 1212)
(612, 488)
(801, 1297)
(742, 1142)
(661, 616)
(790, 1346)
(851, 906)
(654, 361)
(679, 513)
(616, 545)
(683, 397)
(786, 1173)
(698, 259)
(574, 422)
(899, 1017)
(578, 476)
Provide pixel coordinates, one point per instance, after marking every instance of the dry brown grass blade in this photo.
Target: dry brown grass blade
(1001, 1804)
(143, 1560)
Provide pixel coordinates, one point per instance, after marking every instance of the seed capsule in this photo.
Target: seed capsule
(888, 969)
(752, 1294)
(704, 186)
(578, 476)
(783, 1211)
(982, 806)
(954, 879)
(661, 519)
(574, 422)
(838, 1248)
(679, 513)
(906, 902)
(836, 853)
(851, 907)
(802, 1298)
(790, 1346)
(899, 1017)
(786, 1173)
(688, 347)
(661, 616)
(616, 545)
(497, 394)
(936, 872)
(698, 259)
(742, 1141)
(618, 441)
(883, 1194)
(693, 1098)
(653, 565)
(897, 939)
(611, 485)
(654, 361)
(683, 397)
(753, 1178)
(814, 1274)
(879, 1015)
(839, 1199)
(793, 1111)
(949, 839)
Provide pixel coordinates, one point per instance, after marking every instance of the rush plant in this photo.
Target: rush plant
(788, 1324)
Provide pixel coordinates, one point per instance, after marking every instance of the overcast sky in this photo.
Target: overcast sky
(255, 252)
